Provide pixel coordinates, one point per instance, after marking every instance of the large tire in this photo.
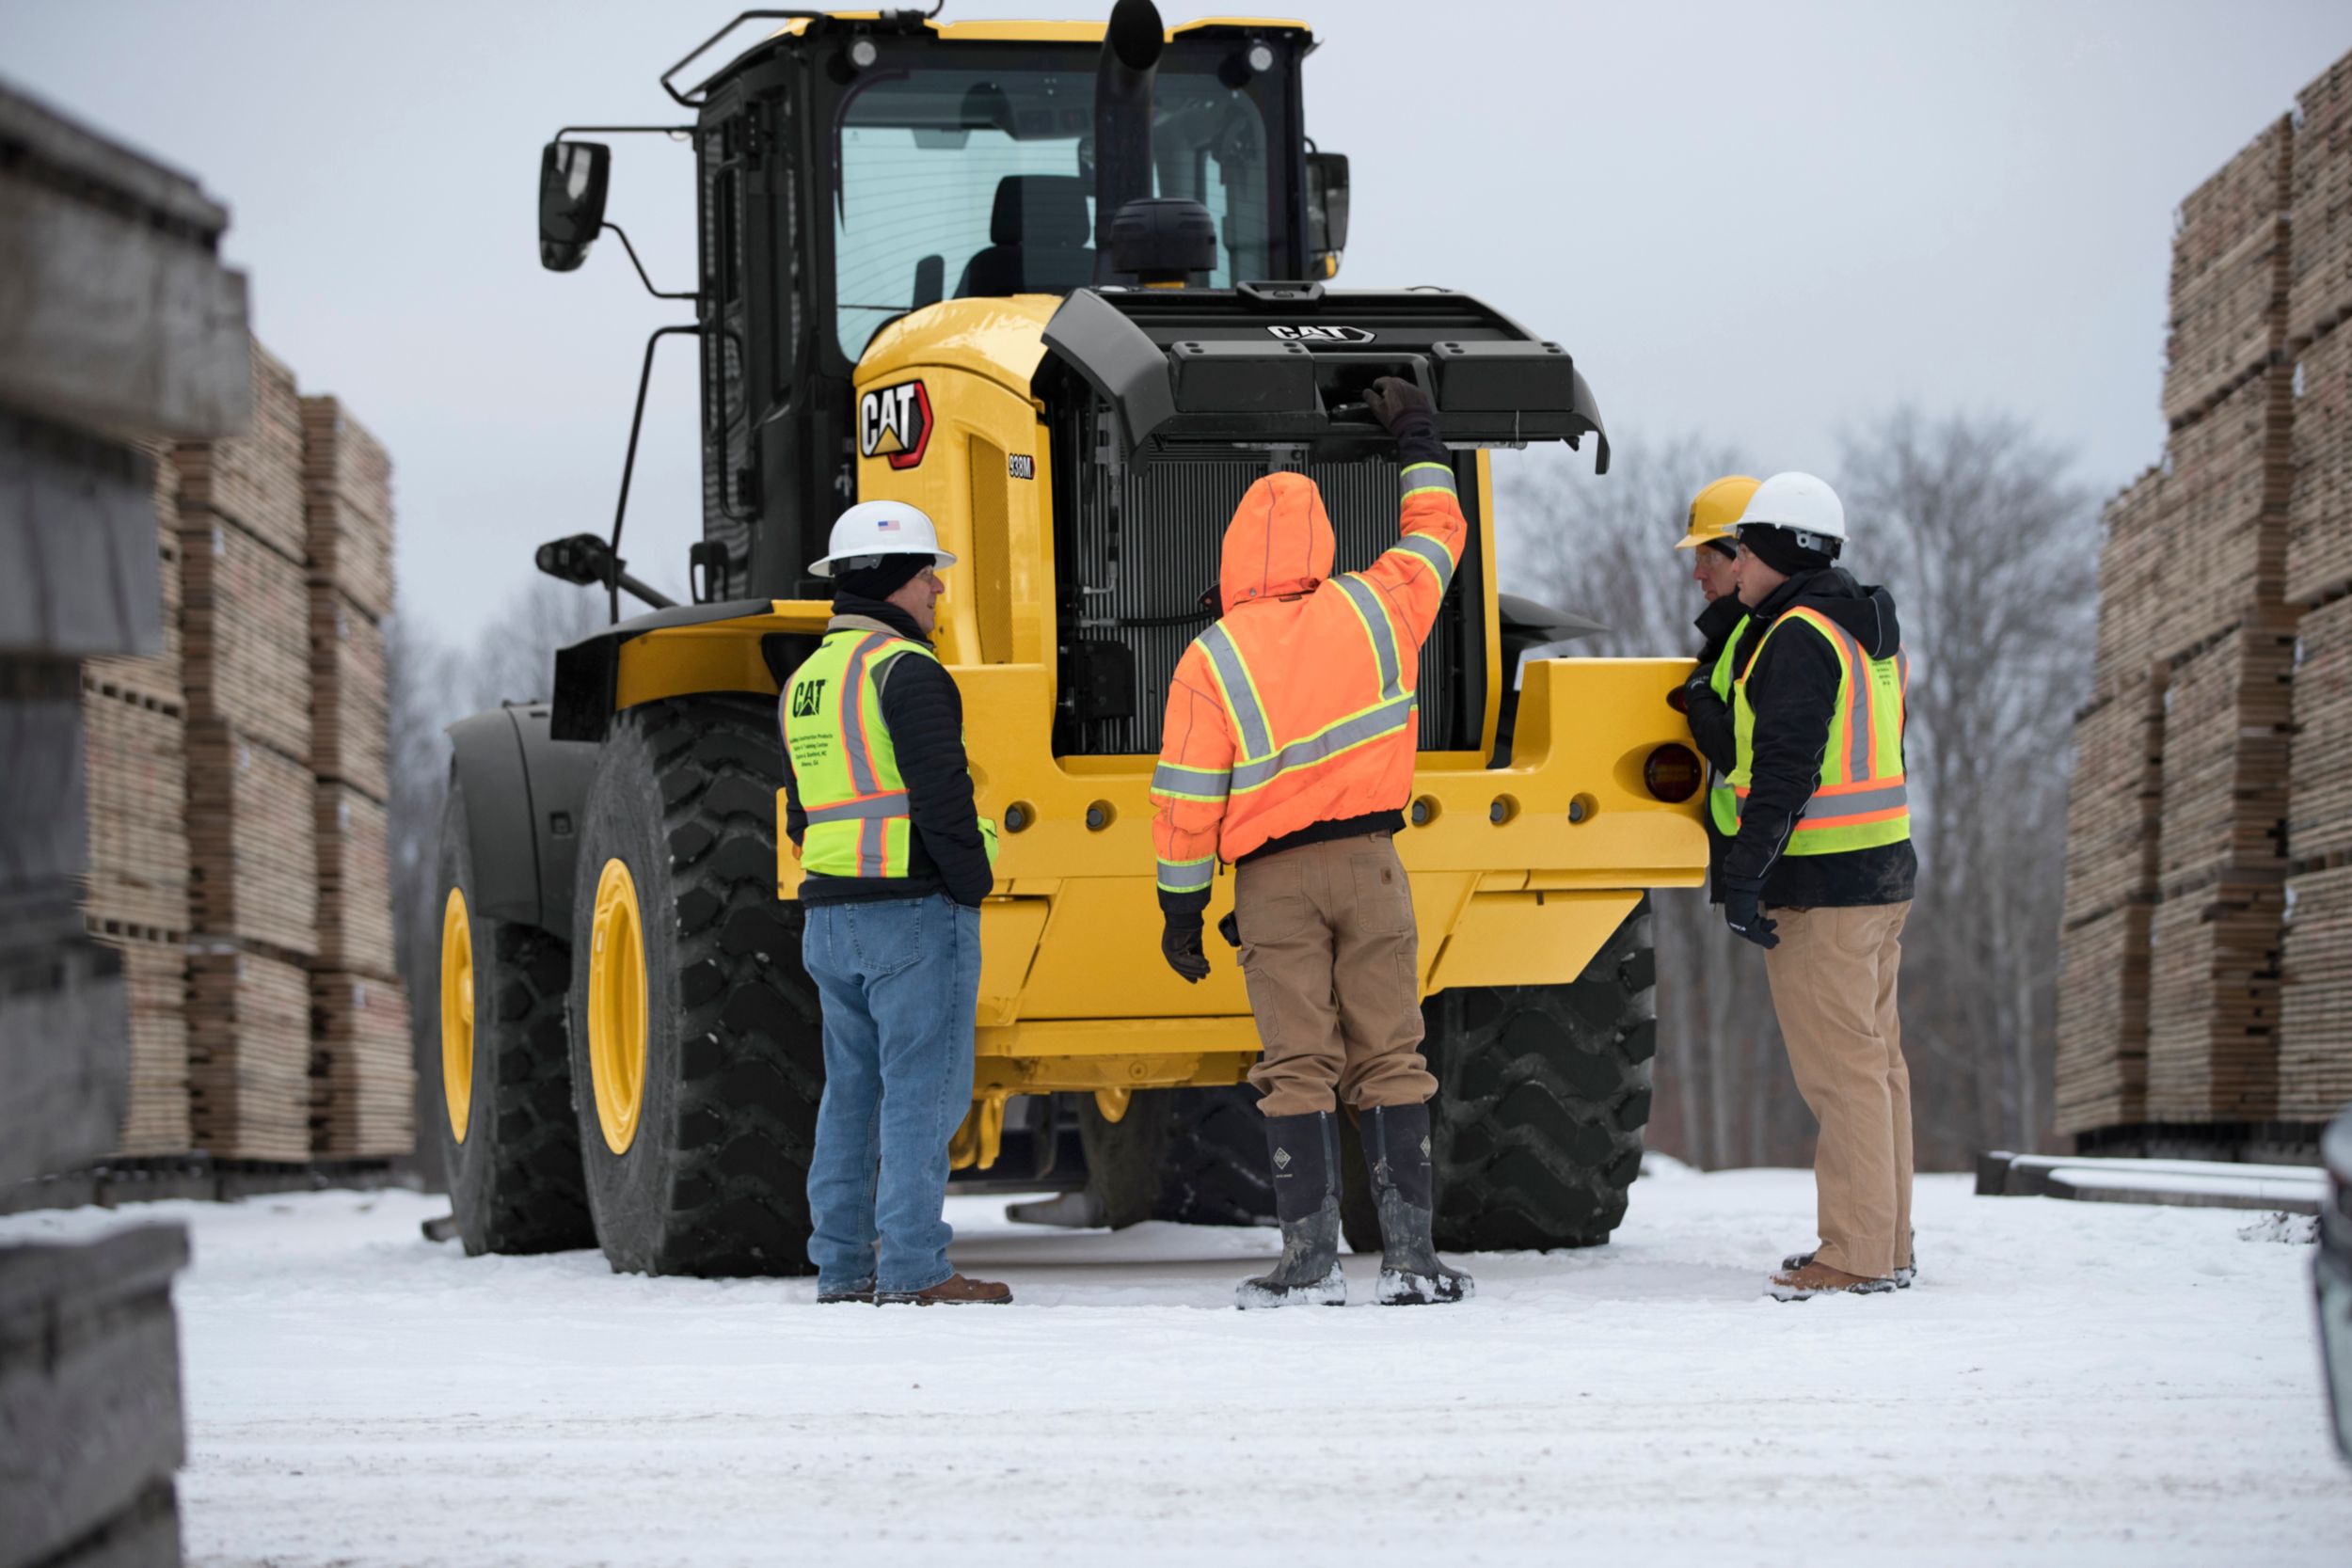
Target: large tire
(713, 1178)
(1192, 1156)
(515, 1180)
(1541, 1095)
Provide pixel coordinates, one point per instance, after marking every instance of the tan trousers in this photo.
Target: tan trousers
(1833, 980)
(1330, 950)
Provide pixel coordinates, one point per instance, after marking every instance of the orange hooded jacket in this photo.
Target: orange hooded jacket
(1297, 708)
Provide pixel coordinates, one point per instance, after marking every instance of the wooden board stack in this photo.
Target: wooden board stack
(2223, 556)
(2213, 1005)
(2227, 713)
(361, 1068)
(2319, 270)
(2230, 271)
(2319, 502)
(134, 892)
(2315, 1007)
(251, 814)
(2138, 528)
(2112, 802)
(2103, 1021)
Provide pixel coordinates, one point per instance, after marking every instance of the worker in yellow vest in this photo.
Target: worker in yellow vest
(1714, 556)
(896, 861)
(1819, 825)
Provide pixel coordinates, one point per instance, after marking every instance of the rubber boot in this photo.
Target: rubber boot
(1396, 1149)
(1304, 1152)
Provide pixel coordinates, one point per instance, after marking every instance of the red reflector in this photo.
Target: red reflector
(1673, 773)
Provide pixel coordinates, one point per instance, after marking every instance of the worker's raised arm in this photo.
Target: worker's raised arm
(1189, 787)
(1414, 575)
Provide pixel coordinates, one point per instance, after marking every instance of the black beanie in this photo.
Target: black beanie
(882, 578)
(1777, 547)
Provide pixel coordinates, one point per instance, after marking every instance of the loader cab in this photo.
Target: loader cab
(853, 170)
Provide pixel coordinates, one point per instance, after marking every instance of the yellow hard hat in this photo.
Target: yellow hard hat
(1715, 509)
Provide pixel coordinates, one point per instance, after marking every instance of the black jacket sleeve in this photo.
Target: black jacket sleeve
(1710, 723)
(925, 712)
(795, 814)
(1792, 686)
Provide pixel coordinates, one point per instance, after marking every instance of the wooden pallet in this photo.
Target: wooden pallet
(2139, 530)
(354, 882)
(2224, 773)
(362, 1067)
(135, 768)
(255, 480)
(347, 489)
(2111, 811)
(2319, 268)
(2224, 553)
(2315, 997)
(156, 1118)
(249, 1055)
(2319, 772)
(2230, 268)
(2101, 1069)
(247, 624)
(252, 841)
(350, 713)
(2213, 1003)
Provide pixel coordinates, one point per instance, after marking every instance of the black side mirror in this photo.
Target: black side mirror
(572, 179)
(1326, 213)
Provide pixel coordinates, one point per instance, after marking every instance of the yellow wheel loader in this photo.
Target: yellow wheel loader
(909, 288)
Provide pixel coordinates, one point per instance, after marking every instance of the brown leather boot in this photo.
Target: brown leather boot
(954, 1291)
(1817, 1278)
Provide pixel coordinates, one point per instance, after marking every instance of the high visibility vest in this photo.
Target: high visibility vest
(843, 760)
(1723, 805)
(1860, 802)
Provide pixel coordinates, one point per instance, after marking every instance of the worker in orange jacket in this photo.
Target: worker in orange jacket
(1288, 752)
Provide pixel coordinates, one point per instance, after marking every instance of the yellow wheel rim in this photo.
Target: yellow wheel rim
(457, 1013)
(616, 1006)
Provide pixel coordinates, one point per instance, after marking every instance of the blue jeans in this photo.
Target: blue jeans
(901, 983)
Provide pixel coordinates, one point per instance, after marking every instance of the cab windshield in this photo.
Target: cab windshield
(961, 181)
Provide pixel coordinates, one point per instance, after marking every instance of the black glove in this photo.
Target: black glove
(1229, 928)
(1745, 918)
(1402, 408)
(1180, 945)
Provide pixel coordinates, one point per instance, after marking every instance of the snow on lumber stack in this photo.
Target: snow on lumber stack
(249, 1055)
(89, 1395)
(2103, 1021)
(2316, 999)
(2214, 1004)
(2319, 286)
(2319, 500)
(2230, 271)
(364, 1085)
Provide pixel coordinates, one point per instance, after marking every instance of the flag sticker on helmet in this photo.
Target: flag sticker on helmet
(894, 422)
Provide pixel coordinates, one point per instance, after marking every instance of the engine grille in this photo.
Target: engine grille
(1138, 547)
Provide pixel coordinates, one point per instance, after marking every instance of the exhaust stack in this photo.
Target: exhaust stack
(1122, 117)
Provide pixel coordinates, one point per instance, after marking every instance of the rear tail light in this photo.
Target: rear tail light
(1673, 773)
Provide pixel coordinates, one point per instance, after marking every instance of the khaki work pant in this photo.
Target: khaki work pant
(1331, 956)
(1833, 980)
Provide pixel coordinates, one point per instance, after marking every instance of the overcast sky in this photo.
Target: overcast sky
(1761, 223)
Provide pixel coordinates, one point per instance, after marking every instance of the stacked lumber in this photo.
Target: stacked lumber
(252, 841)
(157, 1121)
(350, 719)
(362, 1081)
(2103, 1021)
(2315, 997)
(159, 676)
(2228, 711)
(248, 634)
(2112, 799)
(2319, 500)
(2213, 1003)
(253, 480)
(2319, 284)
(363, 1091)
(347, 500)
(2230, 275)
(135, 765)
(2132, 618)
(355, 920)
(2224, 549)
(249, 1055)
(2319, 775)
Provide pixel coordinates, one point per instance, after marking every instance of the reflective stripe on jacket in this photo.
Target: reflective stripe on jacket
(842, 757)
(1861, 800)
(1297, 706)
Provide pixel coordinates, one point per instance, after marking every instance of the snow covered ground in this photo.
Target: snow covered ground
(2068, 1383)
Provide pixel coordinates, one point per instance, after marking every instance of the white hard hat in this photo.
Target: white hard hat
(1801, 503)
(871, 530)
